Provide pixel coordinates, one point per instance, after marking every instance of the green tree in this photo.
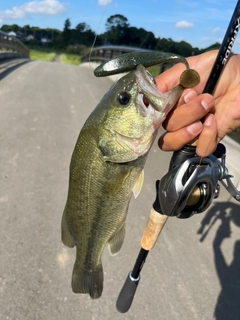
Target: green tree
(37, 32)
(82, 34)
(66, 35)
(116, 20)
(12, 27)
(5, 28)
(82, 27)
(117, 27)
(67, 25)
(27, 29)
(185, 48)
(147, 38)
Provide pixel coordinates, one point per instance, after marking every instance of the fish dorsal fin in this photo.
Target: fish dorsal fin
(138, 184)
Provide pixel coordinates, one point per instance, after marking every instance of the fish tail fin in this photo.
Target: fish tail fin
(88, 281)
(67, 238)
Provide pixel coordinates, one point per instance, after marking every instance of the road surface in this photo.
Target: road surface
(43, 107)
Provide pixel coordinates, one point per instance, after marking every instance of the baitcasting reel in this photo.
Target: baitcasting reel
(192, 183)
(189, 187)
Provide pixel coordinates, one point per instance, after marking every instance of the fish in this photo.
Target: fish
(107, 168)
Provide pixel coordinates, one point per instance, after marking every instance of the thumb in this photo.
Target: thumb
(169, 78)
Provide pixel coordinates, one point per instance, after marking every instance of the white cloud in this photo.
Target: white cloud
(104, 2)
(215, 30)
(205, 39)
(184, 25)
(50, 7)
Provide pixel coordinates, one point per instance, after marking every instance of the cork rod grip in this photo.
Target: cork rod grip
(155, 224)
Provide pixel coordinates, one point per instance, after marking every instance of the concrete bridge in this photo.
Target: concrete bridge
(107, 52)
(43, 107)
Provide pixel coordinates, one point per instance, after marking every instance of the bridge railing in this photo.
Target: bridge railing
(11, 47)
(104, 53)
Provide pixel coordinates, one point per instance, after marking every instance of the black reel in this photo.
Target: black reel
(191, 183)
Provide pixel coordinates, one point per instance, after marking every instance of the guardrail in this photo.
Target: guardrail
(104, 53)
(11, 47)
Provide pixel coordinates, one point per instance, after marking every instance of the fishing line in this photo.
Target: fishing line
(95, 38)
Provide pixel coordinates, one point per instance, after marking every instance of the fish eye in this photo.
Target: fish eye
(124, 98)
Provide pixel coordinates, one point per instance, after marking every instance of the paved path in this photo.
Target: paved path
(57, 58)
(43, 106)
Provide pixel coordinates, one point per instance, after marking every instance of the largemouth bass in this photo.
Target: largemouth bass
(107, 168)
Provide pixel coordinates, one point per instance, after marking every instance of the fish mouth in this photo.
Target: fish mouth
(150, 97)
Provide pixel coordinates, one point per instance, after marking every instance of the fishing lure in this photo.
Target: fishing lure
(129, 61)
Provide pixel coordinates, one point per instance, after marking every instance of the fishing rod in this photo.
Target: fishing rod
(191, 183)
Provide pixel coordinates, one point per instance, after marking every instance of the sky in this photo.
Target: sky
(201, 23)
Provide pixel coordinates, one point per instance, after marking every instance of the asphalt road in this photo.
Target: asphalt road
(43, 107)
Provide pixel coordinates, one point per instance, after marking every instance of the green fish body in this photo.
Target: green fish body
(107, 168)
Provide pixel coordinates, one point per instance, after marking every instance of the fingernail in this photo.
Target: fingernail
(207, 102)
(190, 95)
(208, 120)
(194, 128)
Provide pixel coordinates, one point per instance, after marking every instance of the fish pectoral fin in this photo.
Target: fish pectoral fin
(115, 149)
(116, 242)
(117, 179)
(138, 184)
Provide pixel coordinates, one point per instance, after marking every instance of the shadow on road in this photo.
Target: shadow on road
(227, 306)
(9, 65)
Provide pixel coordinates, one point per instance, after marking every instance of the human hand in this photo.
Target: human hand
(201, 115)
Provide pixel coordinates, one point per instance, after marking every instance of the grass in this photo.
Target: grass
(50, 56)
(70, 59)
(154, 70)
(40, 55)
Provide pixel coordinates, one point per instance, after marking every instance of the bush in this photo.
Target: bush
(70, 59)
(40, 55)
(76, 49)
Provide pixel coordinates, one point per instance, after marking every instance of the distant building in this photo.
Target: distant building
(30, 37)
(44, 40)
(12, 34)
(20, 35)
